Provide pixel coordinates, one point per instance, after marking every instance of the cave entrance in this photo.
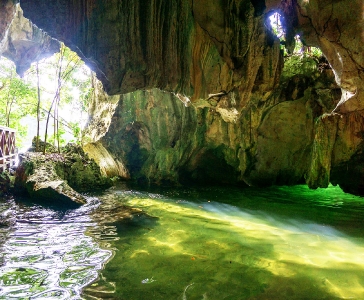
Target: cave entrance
(276, 25)
(299, 58)
(53, 94)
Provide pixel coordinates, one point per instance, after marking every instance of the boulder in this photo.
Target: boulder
(57, 176)
(37, 177)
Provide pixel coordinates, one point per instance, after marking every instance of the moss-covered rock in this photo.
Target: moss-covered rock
(81, 172)
(5, 183)
(36, 177)
(162, 139)
(57, 176)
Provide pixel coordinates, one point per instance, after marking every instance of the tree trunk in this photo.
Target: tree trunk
(38, 110)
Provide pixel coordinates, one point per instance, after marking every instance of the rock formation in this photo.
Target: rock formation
(162, 138)
(5, 184)
(203, 93)
(25, 43)
(36, 177)
(58, 176)
(7, 13)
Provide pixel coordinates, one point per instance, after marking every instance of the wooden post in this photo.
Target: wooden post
(8, 151)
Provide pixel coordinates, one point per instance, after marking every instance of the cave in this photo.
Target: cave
(225, 78)
(206, 93)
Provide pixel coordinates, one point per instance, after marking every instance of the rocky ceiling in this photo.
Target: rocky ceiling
(21, 41)
(142, 44)
(137, 45)
(200, 48)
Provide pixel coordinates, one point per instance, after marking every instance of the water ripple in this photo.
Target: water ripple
(48, 253)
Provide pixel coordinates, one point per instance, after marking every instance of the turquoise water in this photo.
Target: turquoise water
(189, 243)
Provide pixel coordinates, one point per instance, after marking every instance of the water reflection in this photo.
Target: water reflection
(213, 243)
(47, 255)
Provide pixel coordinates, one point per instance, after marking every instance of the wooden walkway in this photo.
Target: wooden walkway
(8, 151)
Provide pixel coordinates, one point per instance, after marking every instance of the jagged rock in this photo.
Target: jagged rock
(334, 27)
(102, 107)
(194, 48)
(37, 177)
(57, 176)
(81, 172)
(26, 43)
(7, 13)
(218, 46)
(159, 139)
(109, 166)
(49, 148)
(324, 141)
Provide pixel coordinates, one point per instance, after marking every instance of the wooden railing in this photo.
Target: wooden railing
(8, 151)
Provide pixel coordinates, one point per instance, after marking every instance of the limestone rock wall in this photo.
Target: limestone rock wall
(162, 138)
(191, 47)
(7, 13)
(101, 109)
(228, 114)
(336, 28)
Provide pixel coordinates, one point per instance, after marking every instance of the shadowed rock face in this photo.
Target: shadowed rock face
(160, 139)
(230, 116)
(192, 47)
(336, 27)
(7, 12)
(202, 46)
(25, 43)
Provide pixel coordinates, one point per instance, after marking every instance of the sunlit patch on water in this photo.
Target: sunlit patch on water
(218, 243)
(47, 255)
(205, 249)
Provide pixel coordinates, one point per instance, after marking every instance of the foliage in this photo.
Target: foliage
(64, 80)
(304, 60)
(299, 65)
(17, 99)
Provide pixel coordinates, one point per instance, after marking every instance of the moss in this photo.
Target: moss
(5, 183)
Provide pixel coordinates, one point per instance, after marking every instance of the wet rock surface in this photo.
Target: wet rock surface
(160, 139)
(37, 177)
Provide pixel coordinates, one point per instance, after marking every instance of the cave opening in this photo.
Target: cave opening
(53, 93)
(211, 126)
(300, 59)
(276, 25)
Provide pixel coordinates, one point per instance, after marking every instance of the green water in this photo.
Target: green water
(188, 243)
(227, 243)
